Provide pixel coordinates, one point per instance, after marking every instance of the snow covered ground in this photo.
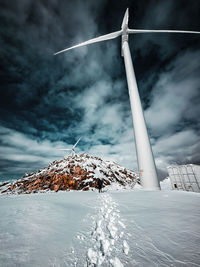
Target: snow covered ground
(115, 228)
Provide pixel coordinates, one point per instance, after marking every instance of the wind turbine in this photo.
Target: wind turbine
(145, 158)
(73, 148)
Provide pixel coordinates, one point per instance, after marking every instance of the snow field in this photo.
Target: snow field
(112, 229)
(107, 235)
(164, 227)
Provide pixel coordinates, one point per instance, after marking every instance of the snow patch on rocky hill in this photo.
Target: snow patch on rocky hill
(80, 172)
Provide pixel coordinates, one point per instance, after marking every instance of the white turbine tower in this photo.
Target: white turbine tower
(73, 148)
(146, 163)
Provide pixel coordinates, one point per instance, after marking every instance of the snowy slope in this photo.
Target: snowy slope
(80, 172)
(121, 228)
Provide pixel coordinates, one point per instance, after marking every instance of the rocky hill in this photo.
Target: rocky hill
(80, 172)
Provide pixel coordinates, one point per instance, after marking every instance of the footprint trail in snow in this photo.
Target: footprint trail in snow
(109, 244)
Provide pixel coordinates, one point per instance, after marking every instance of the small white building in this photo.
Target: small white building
(185, 177)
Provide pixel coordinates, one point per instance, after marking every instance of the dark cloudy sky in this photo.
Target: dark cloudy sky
(47, 102)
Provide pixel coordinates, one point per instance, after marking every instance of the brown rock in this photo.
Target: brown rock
(13, 186)
(38, 181)
(56, 187)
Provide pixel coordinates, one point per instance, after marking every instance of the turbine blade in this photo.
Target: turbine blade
(159, 31)
(76, 143)
(125, 19)
(94, 40)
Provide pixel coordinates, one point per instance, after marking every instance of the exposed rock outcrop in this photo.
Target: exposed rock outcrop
(80, 172)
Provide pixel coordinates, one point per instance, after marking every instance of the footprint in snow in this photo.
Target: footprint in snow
(107, 235)
(125, 247)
